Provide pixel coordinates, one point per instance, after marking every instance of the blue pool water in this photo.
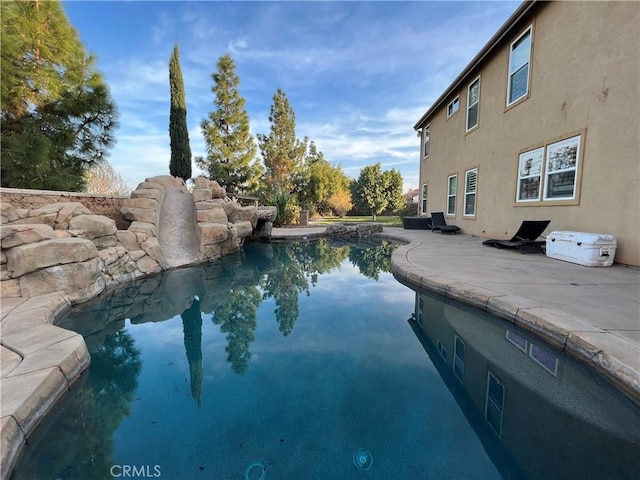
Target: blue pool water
(310, 361)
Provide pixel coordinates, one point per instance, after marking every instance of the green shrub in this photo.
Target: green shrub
(287, 204)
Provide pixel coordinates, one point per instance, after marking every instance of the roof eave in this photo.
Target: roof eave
(506, 28)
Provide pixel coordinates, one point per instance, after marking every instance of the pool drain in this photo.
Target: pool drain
(256, 471)
(362, 459)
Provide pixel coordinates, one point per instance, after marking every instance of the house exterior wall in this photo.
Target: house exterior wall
(584, 80)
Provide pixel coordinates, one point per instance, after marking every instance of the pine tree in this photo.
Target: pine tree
(58, 118)
(230, 148)
(281, 151)
(180, 164)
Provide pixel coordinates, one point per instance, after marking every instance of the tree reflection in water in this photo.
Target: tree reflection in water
(231, 290)
(87, 418)
(237, 318)
(372, 259)
(294, 264)
(192, 330)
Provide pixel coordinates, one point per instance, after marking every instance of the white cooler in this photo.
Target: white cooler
(588, 249)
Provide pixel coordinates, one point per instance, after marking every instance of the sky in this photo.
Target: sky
(358, 74)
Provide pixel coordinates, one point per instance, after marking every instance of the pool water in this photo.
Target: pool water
(311, 361)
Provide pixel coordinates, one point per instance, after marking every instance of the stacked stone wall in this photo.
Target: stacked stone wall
(105, 205)
(65, 247)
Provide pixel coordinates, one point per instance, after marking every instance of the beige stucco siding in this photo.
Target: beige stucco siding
(585, 71)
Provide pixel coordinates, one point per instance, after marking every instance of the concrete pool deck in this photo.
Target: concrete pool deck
(591, 313)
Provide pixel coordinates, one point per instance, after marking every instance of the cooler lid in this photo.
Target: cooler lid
(582, 237)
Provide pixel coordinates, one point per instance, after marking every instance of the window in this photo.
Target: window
(458, 358)
(529, 175)
(561, 168)
(470, 183)
(452, 183)
(424, 198)
(442, 350)
(554, 179)
(473, 102)
(453, 106)
(425, 139)
(519, 59)
(545, 359)
(494, 403)
(520, 342)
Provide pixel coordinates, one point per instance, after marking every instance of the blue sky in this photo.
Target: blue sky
(357, 74)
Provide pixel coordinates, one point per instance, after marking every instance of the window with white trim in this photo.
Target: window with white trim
(561, 168)
(425, 141)
(473, 103)
(494, 403)
(452, 183)
(520, 342)
(519, 60)
(423, 205)
(555, 178)
(453, 106)
(442, 350)
(529, 175)
(543, 358)
(458, 358)
(470, 187)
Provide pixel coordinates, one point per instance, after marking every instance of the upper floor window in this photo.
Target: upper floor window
(452, 184)
(470, 186)
(473, 103)
(519, 60)
(425, 141)
(453, 106)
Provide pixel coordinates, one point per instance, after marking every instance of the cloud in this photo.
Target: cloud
(237, 44)
(358, 74)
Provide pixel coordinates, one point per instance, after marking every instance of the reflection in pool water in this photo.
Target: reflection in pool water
(538, 413)
(290, 360)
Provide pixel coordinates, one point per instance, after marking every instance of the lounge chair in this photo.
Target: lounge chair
(438, 223)
(525, 239)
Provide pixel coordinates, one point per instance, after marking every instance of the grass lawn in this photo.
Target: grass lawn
(388, 220)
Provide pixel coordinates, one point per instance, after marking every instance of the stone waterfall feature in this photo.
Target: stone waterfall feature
(64, 247)
(177, 232)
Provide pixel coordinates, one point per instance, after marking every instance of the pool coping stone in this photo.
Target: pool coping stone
(604, 350)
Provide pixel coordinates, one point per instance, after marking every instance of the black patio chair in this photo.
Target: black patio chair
(525, 239)
(438, 223)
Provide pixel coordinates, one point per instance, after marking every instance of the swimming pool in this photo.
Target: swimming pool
(309, 360)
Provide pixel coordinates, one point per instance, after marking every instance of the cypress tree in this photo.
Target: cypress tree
(180, 164)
